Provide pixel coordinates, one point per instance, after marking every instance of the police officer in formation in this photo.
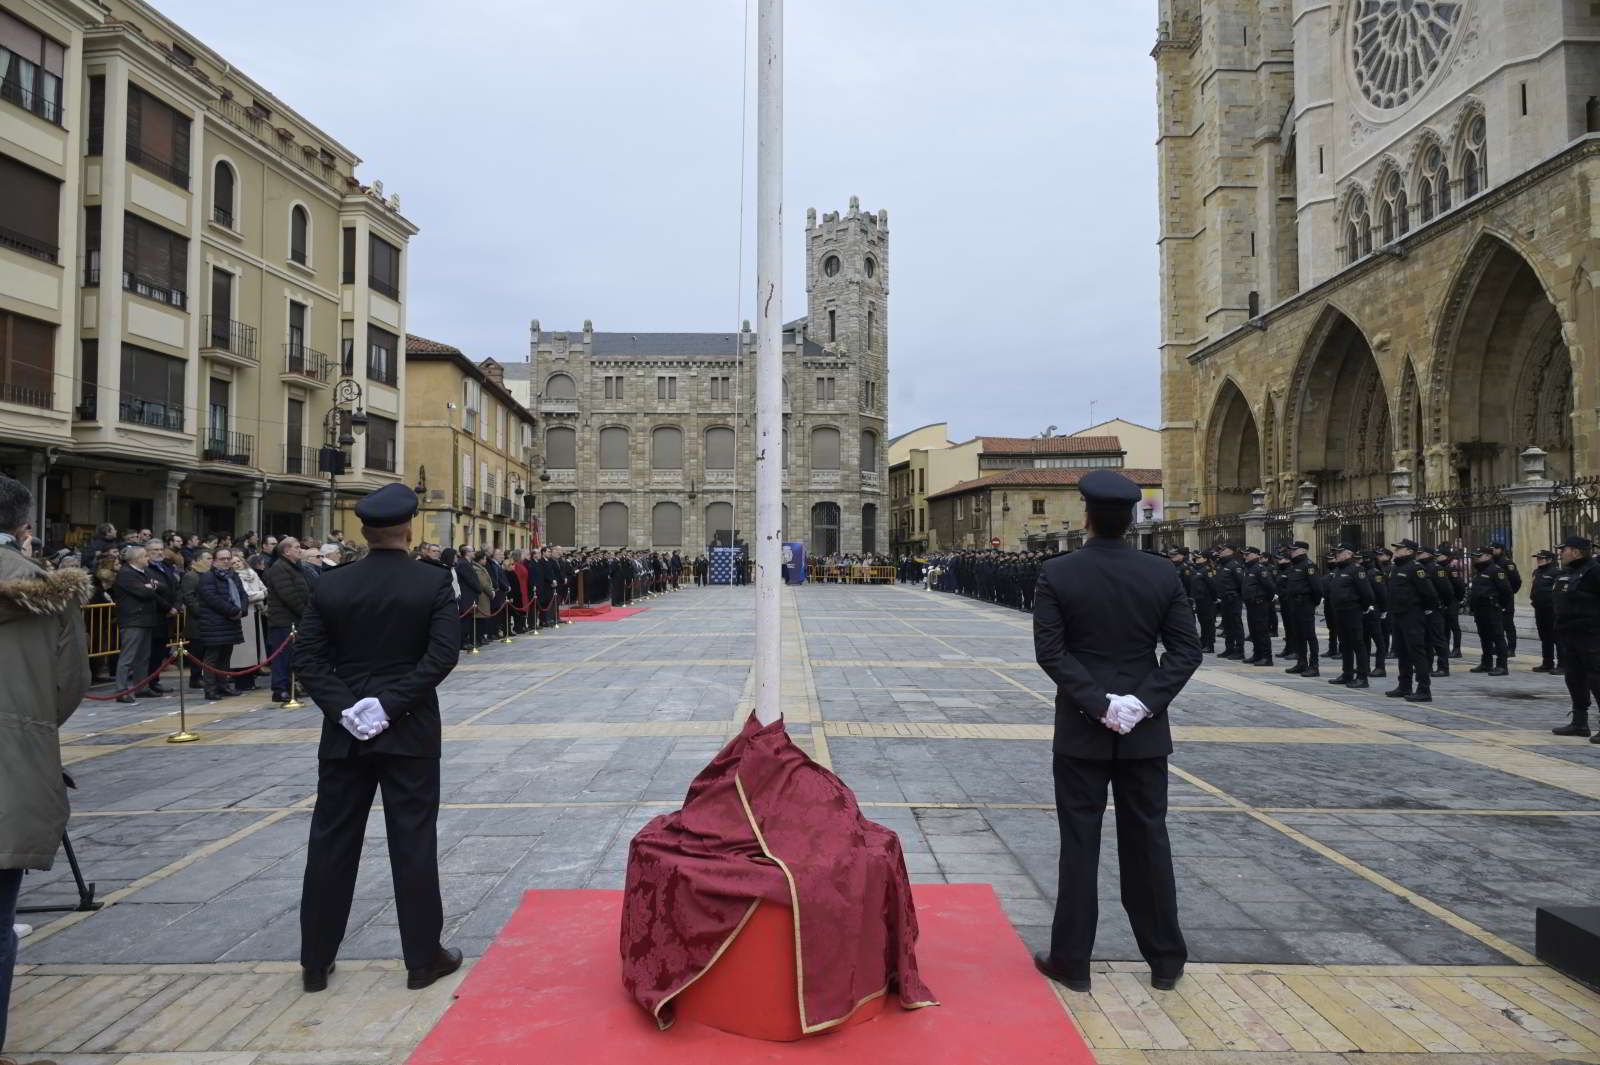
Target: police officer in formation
(1204, 580)
(1543, 597)
(1577, 618)
(1229, 583)
(1413, 600)
(1514, 579)
(1438, 629)
(1490, 600)
(1260, 586)
(1302, 591)
(1375, 624)
(1350, 600)
(1004, 577)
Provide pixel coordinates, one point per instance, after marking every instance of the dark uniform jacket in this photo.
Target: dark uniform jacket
(1229, 581)
(1378, 581)
(1348, 588)
(1444, 588)
(1544, 583)
(1490, 588)
(1302, 579)
(1411, 589)
(385, 628)
(1577, 598)
(1097, 616)
(1258, 581)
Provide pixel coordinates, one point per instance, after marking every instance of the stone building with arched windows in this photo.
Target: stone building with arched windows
(648, 439)
(1378, 245)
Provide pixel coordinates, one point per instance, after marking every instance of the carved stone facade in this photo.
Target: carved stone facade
(648, 438)
(1367, 268)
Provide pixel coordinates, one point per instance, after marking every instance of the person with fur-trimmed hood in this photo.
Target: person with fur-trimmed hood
(46, 668)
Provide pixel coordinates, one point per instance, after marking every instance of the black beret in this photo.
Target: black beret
(1107, 488)
(393, 504)
(1578, 542)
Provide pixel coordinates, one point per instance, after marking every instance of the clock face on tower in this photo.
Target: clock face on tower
(1397, 46)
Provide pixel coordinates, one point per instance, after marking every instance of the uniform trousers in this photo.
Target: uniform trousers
(1452, 628)
(1544, 619)
(1439, 635)
(1304, 629)
(1491, 632)
(1205, 613)
(1232, 623)
(1352, 642)
(345, 788)
(1413, 649)
(1258, 612)
(1144, 854)
(1373, 629)
(1509, 620)
(1333, 629)
(1580, 657)
(1286, 608)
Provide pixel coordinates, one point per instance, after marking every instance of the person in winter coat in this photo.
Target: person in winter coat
(189, 600)
(219, 623)
(288, 596)
(142, 602)
(46, 669)
(256, 592)
(467, 581)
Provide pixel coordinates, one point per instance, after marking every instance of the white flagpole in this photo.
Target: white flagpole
(769, 356)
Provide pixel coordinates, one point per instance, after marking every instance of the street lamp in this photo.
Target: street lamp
(340, 428)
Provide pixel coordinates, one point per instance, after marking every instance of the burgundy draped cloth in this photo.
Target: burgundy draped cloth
(765, 822)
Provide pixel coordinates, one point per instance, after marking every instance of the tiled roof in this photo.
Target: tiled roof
(423, 346)
(1051, 478)
(1049, 445)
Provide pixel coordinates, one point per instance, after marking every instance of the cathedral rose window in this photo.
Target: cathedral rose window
(1397, 46)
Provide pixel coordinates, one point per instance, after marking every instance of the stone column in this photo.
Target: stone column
(1193, 539)
(1255, 520)
(324, 527)
(1305, 513)
(1397, 507)
(250, 515)
(166, 511)
(1530, 517)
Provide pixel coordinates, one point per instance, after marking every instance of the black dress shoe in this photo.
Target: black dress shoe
(1041, 961)
(1343, 678)
(1398, 693)
(1311, 671)
(1440, 673)
(447, 961)
(1420, 697)
(1595, 738)
(1165, 981)
(1379, 672)
(158, 689)
(146, 693)
(316, 979)
(1295, 669)
(126, 699)
(1571, 729)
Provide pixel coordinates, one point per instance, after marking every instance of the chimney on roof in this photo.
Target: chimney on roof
(493, 371)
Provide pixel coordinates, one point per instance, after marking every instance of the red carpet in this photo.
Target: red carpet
(601, 613)
(550, 990)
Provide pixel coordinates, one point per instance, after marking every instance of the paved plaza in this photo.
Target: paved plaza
(1357, 875)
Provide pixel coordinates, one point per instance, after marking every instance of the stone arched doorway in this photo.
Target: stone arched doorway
(1502, 380)
(1340, 433)
(1411, 430)
(1234, 451)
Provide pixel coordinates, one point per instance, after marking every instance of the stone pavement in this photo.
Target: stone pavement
(1357, 876)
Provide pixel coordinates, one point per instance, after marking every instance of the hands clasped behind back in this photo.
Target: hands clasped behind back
(365, 719)
(1124, 713)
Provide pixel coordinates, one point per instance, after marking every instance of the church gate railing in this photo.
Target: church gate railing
(1222, 528)
(1462, 519)
(1574, 509)
(1357, 522)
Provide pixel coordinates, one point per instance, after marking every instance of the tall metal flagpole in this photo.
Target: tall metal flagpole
(769, 356)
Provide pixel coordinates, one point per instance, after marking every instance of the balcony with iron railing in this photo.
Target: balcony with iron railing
(219, 445)
(154, 290)
(228, 340)
(383, 287)
(162, 168)
(30, 101)
(88, 408)
(24, 396)
(469, 498)
(134, 410)
(300, 461)
(301, 363)
(505, 506)
(222, 215)
(32, 247)
(259, 126)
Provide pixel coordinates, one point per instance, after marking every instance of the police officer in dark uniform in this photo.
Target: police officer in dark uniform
(1204, 593)
(1413, 599)
(1179, 557)
(1349, 602)
(1328, 620)
(1435, 621)
(1514, 579)
(1302, 588)
(1375, 623)
(1097, 618)
(375, 642)
(1542, 595)
(1281, 562)
(1230, 598)
(1488, 597)
(1259, 588)
(1449, 562)
(1577, 595)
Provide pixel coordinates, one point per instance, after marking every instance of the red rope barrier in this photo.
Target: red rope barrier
(247, 670)
(129, 691)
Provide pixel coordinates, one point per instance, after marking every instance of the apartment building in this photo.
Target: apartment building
(201, 307)
(472, 444)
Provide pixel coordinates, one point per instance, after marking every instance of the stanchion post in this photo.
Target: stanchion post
(183, 735)
(506, 612)
(474, 629)
(294, 702)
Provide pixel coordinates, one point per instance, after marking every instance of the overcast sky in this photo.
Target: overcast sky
(571, 160)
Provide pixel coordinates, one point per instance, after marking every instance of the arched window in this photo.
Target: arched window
(830, 265)
(824, 530)
(824, 448)
(666, 525)
(872, 267)
(561, 524)
(1357, 229)
(869, 451)
(666, 448)
(869, 528)
(613, 525)
(1433, 189)
(223, 190)
(614, 448)
(719, 524)
(560, 386)
(1394, 220)
(1474, 158)
(299, 234)
(561, 448)
(719, 448)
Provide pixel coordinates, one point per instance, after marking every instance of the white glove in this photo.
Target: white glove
(1125, 712)
(365, 719)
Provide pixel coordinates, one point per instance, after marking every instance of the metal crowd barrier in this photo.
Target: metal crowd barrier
(104, 636)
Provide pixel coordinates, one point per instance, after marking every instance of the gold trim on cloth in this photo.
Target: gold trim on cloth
(664, 1023)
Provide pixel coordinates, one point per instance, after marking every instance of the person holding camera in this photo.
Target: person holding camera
(45, 662)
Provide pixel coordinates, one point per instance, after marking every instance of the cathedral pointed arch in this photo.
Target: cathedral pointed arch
(1339, 427)
(1233, 449)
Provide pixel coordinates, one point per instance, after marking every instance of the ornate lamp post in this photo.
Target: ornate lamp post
(340, 432)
